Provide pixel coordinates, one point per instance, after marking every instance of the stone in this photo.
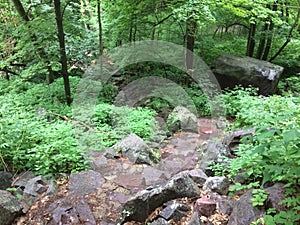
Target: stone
(159, 221)
(10, 208)
(205, 206)
(71, 210)
(276, 195)
(33, 188)
(136, 150)
(195, 219)
(198, 176)
(217, 184)
(22, 179)
(243, 212)
(212, 152)
(85, 182)
(110, 153)
(231, 70)
(5, 180)
(233, 139)
(174, 210)
(144, 202)
(225, 203)
(182, 119)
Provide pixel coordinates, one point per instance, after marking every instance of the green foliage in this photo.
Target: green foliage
(272, 154)
(259, 197)
(290, 86)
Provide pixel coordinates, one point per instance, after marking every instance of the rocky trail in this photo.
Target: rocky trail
(117, 191)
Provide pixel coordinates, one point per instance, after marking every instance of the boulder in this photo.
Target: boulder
(10, 208)
(244, 213)
(136, 150)
(159, 221)
(217, 184)
(182, 119)
(233, 138)
(231, 70)
(144, 202)
(5, 180)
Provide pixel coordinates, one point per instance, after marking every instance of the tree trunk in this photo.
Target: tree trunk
(251, 40)
(20, 9)
(191, 28)
(99, 27)
(262, 41)
(63, 56)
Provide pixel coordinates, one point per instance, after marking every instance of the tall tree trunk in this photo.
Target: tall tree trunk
(191, 28)
(99, 27)
(270, 35)
(20, 9)
(262, 41)
(251, 40)
(63, 56)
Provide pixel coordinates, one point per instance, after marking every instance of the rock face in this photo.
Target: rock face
(231, 70)
(182, 118)
(140, 206)
(244, 213)
(136, 150)
(9, 208)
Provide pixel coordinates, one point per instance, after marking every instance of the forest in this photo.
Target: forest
(47, 47)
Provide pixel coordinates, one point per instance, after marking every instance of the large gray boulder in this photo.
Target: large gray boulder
(136, 150)
(231, 70)
(10, 208)
(182, 119)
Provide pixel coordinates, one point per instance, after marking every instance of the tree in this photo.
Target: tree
(63, 56)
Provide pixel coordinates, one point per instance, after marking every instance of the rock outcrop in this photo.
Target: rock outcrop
(231, 70)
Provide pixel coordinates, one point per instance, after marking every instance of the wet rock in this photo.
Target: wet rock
(71, 210)
(225, 203)
(10, 208)
(231, 70)
(144, 202)
(182, 119)
(5, 180)
(217, 184)
(174, 210)
(85, 182)
(159, 221)
(276, 195)
(136, 150)
(212, 152)
(244, 213)
(205, 206)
